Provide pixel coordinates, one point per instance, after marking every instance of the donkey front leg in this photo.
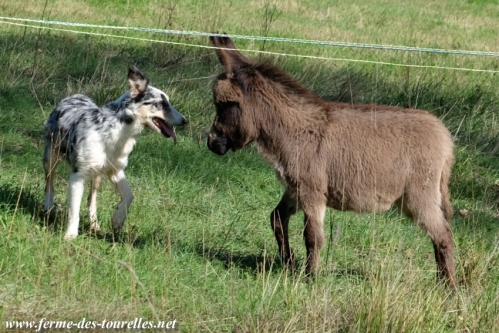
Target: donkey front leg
(313, 232)
(279, 220)
(126, 196)
(75, 194)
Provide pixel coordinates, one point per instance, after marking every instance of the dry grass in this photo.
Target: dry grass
(198, 236)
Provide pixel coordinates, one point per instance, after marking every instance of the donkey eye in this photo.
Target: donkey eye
(226, 106)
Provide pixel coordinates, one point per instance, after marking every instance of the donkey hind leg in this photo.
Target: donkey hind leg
(279, 220)
(50, 161)
(313, 232)
(126, 196)
(75, 194)
(425, 210)
(92, 202)
(446, 205)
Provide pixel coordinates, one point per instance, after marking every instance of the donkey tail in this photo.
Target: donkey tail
(446, 205)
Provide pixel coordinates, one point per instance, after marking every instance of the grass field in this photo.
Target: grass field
(197, 245)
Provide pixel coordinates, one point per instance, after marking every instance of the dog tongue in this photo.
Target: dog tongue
(165, 130)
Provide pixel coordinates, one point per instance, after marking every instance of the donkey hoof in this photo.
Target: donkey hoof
(115, 236)
(288, 260)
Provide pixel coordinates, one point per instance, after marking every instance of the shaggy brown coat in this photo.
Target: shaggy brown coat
(361, 158)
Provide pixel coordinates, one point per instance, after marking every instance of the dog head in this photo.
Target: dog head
(152, 106)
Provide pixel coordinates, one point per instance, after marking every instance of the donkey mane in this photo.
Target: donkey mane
(245, 77)
(291, 85)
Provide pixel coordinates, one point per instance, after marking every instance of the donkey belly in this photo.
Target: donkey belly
(361, 201)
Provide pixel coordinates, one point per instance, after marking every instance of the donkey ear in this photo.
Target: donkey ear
(227, 58)
(138, 82)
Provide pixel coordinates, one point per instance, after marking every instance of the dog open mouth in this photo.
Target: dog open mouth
(165, 130)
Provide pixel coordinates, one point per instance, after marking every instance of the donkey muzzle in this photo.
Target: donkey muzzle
(217, 142)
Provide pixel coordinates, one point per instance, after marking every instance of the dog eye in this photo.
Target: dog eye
(165, 106)
(147, 103)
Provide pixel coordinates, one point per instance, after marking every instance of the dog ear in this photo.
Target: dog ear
(227, 52)
(138, 82)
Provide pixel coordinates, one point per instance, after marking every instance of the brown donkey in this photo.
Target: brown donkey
(361, 158)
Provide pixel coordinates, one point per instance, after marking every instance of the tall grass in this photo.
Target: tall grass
(197, 245)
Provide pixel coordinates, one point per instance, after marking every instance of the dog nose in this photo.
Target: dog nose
(185, 121)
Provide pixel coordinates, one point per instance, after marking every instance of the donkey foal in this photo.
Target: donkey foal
(362, 158)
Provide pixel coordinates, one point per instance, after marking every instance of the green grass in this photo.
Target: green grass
(198, 235)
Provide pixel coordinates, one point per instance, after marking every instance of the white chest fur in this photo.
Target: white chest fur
(107, 152)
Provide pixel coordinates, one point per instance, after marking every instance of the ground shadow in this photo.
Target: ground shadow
(17, 198)
(254, 263)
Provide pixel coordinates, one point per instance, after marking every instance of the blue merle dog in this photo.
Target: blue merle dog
(96, 141)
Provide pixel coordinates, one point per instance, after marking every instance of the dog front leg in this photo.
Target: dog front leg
(75, 194)
(126, 195)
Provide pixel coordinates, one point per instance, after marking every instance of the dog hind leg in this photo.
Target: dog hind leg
(92, 202)
(75, 194)
(50, 161)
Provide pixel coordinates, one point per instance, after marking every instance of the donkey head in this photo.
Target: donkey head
(233, 127)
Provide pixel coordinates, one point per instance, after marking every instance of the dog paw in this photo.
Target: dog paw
(69, 236)
(94, 227)
(50, 214)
